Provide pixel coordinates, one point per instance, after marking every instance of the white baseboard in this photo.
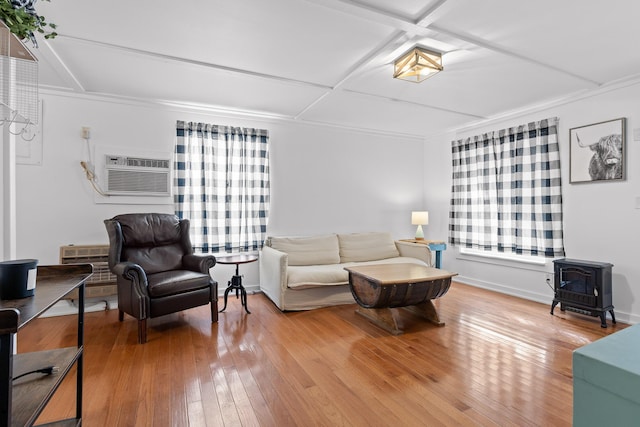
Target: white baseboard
(69, 307)
(516, 292)
(532, 296)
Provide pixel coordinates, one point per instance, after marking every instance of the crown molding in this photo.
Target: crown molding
(180, 107)
(553, 103)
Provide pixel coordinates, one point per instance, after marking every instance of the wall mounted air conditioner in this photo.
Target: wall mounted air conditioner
(137, 176)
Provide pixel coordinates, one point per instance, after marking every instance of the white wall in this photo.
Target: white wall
(333, 180)
(327, 180)
(323, 179)
(601, 221)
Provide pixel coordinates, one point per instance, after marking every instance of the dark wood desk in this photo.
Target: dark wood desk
(236, 281)
(22, 400)
(379, 288)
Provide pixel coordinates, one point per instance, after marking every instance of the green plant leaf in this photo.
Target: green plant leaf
(22, 23)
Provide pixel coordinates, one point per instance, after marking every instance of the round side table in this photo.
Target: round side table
(236, 281)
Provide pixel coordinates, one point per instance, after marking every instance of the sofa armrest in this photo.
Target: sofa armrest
(415, 250)
(273, 274)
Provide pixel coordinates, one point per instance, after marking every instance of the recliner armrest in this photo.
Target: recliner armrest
(199, 263)
(130, 271)
(133, 295)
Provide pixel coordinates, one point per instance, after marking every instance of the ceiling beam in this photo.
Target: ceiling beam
(417, 104)
(219, 67)
(424, 26)
(358, 67)
(373, 14)
(387, 46)
(493, 47)
(51, 56)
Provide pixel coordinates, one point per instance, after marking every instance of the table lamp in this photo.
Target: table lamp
(419, 218)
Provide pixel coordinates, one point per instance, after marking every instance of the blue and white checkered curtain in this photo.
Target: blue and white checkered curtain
(506, 194)
(221, 184)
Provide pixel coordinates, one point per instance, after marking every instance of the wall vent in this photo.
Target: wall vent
(102, 283)
(137, 176)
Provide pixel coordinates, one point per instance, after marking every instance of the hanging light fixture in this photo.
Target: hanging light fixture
(417, 64)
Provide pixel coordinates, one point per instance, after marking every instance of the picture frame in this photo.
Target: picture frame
(598, 152)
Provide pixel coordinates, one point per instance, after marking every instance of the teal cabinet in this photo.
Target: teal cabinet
(606, 381)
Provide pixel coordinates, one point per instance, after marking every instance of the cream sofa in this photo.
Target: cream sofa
(303, 273)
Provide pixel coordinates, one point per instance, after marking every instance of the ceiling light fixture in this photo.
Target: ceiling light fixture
(417, 64)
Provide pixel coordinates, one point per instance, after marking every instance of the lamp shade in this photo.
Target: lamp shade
(417, 65)
(419, 218)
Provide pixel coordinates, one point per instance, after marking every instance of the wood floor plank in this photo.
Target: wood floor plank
(249, 399)
(206, 356)
(498, 361)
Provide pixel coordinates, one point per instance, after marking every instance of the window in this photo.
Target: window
(221, 185)
(506, 193)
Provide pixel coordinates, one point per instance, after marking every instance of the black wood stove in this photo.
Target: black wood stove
(583, 287)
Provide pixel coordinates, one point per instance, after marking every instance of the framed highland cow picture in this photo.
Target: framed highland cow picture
(597, 152)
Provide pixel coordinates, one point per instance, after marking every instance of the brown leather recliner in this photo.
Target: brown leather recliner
(157, 272)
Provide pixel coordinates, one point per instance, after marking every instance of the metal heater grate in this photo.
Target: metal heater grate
(103, 282)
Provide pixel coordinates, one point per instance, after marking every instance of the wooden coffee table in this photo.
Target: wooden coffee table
(380, 288)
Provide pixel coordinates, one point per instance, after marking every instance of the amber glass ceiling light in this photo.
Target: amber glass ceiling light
(417, 64)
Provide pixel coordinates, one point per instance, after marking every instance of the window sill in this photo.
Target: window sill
(515, 261)
(502, 256)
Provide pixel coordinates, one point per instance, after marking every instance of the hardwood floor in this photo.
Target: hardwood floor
(498, 361)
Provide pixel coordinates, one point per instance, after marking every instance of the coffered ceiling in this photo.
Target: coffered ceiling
(331, 61)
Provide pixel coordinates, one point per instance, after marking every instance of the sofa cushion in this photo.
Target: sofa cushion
(310, 276)
(315, 250)
(305, 277)
(175, 282)
(357, 247)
